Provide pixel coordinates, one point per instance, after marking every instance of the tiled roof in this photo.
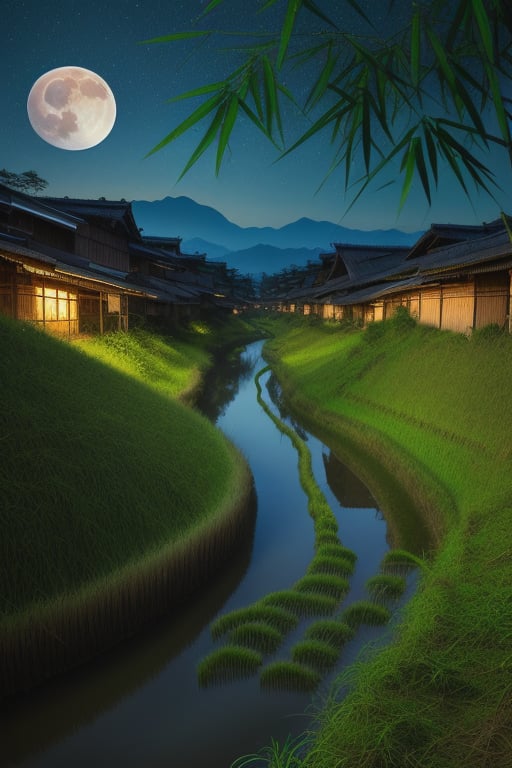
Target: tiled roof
(112, 210)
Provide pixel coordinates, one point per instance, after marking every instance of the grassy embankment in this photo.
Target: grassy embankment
(433, 409)
(117, 500)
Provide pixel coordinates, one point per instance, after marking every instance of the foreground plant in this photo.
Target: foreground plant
(426, 99)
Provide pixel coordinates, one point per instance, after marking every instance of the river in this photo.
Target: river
(140, 706)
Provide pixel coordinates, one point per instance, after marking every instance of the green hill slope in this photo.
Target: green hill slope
(117, 500)
(433, 408)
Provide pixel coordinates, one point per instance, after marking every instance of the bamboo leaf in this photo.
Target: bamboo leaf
(366, 131)
(255, 93)
(271, 97)
(441, 57)
(483, 28)
(357, 8)
(320, 86)
(286, 33)
(409, 162)
(175, 36)
(257, 122)
(431, 150)
(207, 140)
(202, 91)
(313, 8)
(211, 5)
(198, 114)
(422, 169)
(229, 119)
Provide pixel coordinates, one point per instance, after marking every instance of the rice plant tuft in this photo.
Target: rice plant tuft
(337, 566)
(386, 586)
(325, 584)
(273, 615)
(315, 653)
(332, 631)
(301, 603)
(258, 636)
(289, 676)
(366, 612)
(228, 663)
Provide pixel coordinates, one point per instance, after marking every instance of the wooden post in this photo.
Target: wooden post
(101, 313)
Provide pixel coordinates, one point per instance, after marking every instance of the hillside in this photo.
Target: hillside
(428, 407)
(101, 494)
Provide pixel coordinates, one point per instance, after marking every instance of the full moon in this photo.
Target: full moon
(71, 108)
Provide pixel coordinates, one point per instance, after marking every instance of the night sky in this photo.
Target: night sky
(251, 189)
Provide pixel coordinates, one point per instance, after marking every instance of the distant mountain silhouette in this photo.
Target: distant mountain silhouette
(204, 229)
(267, 258)
(214, 251)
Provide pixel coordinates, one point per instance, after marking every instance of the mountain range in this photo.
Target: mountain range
(252, 249)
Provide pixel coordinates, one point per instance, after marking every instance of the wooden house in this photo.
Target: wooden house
(455, 277)
(61, 269)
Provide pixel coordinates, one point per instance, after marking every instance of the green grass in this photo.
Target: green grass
(228, 663)
(425, 420)
(100, 489)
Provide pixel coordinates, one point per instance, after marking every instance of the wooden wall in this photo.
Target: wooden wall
(100, 246)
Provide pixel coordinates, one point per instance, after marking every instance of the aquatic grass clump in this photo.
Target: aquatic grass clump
(324, 583)
(326, 523)
(366, 612)
(337, 566)
(334, 632)
(258, 636)
(337, 550)
(275, 616)
(301, 604)
(326, 537)
(385, 585)
(289, 676)
(315, 653)
(402, 557)
(228, 663)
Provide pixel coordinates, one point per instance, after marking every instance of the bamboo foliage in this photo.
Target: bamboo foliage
(430, 94)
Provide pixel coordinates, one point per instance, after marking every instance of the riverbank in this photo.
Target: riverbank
(432, 409)
(117, 500)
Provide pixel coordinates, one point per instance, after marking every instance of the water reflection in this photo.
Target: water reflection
(32, 723)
